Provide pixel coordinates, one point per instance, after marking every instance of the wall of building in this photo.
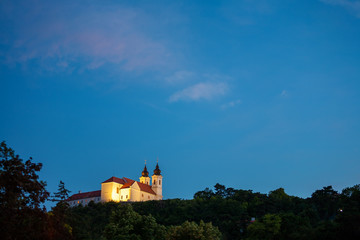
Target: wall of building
(125, 195)
(110, 191)
(135, 192)
(157, 186)
(84, 201)
(145, 180)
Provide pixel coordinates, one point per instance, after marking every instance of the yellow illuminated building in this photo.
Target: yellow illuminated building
(124, 190)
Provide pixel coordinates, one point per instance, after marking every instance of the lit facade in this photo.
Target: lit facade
(124, 190)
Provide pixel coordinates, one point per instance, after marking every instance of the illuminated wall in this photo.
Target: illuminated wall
(157, 186)
(112, 191)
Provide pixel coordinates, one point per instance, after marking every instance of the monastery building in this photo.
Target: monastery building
(124, 190)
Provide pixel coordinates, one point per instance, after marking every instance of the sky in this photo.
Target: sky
(249, 94)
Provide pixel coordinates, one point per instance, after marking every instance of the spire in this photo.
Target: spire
(157, 170)
(145, 172)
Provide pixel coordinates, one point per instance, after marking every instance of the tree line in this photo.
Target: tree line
(217, 213)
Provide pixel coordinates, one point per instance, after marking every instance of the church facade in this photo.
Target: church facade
(124, 190)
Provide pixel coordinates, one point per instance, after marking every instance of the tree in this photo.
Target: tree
(193, 231)
(62, 193)
(326, 201)
(279, 194)
(57, 226)
(279, 201)
(348, 217)
(21, 197)
(220, 190)
(294, 227)
(206, 194)
(267, 228)
(126, 224)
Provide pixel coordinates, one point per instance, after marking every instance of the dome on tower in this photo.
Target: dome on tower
(145, 173)
(157, 170)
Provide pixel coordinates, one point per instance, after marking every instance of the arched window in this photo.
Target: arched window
(154, 181)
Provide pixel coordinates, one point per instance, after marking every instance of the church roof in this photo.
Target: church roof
(115, 179)
(145, 173)
(157, 170)
(127, 182)
(85, 195)
(143, 187)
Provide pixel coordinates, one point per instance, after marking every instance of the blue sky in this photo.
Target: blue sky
(251, 94)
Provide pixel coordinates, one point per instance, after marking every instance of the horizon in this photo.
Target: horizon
(249, 94)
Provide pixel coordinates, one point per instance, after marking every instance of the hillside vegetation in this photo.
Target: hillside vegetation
(213, 214)
(238, 214)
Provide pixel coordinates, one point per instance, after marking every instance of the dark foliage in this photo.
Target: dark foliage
(326, 215)
(238, 214)
(57, 227)
(21, 197)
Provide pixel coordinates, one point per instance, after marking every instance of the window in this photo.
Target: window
(121, 197)
(126, 196)
(117, 190)
(154, 181)
(148, 197)
(142, 195)
(159, 182)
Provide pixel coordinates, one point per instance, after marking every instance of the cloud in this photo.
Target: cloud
(87, 36)
(180, 76)
(352, 6)
(200, 91)
(231, 104)
(284, 93)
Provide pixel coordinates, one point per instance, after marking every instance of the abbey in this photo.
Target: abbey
(124, 190)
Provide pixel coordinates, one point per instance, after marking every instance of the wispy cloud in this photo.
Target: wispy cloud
(69, 34)
(351, 5)
(180, 77)
(200, 91)
(284, 93)
(231, 104)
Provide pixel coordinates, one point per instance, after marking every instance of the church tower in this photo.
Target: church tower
(145, 176)
(157, 182)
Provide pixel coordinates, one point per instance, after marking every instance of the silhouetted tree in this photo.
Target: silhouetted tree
(193, 231)
(21, 197)
(206, 194)
(327, 202)
(266, 228)
(127, 224)
(220, 190)
(62, 194)
(57, 226)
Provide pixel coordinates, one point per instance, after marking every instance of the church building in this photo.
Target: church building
(124, 190)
